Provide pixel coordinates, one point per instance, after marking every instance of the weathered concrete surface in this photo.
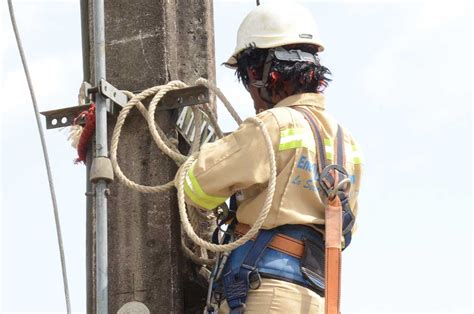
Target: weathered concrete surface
(150, 42)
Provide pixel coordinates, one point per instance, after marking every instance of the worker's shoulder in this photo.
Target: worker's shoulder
(284, 117)
(348, 135)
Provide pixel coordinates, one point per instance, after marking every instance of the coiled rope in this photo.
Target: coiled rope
(261, 216)
(170, 150)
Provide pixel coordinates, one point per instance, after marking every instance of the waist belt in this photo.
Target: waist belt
(280, 242)
(281, 253)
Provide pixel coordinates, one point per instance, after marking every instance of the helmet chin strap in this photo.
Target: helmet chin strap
(262, 84)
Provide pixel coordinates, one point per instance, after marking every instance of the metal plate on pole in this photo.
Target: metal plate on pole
(185, 124)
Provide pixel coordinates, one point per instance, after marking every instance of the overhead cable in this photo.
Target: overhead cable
(45, 154)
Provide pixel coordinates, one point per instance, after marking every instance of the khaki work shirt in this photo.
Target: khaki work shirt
(239, 163)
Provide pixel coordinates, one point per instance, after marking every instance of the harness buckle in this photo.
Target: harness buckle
(255, 280)
(327, 181)
(253, 276)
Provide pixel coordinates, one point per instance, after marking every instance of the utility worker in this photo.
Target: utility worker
(277, 61)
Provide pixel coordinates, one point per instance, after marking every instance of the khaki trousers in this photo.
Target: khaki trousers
(276, 296)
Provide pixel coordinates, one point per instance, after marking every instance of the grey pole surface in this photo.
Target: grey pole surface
(148, 43)
(101, 150)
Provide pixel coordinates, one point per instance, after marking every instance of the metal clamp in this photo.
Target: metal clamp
(112, 93)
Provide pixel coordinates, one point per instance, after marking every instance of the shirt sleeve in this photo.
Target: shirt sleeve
(230, 164)
(357, 161)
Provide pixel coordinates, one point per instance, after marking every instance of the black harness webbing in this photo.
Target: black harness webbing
(348, 218)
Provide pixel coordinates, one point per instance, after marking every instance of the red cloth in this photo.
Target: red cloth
(87, 133)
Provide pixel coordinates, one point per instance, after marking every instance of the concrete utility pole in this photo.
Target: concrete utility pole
(148, 43)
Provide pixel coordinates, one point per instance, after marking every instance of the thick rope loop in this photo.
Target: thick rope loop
(194, 257)
(213, 120)
(135, 101)
(261, 217)
(158, 135)
(151, 120)
(225, 101)
(165, 145)
(161, 133)
(196, 144)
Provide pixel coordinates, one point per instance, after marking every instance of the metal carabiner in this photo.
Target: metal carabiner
(343, 186)
(210, 307)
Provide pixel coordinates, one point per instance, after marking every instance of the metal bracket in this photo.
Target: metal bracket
(111, 92)
(60, 118)
(174, 99)
(183, 97)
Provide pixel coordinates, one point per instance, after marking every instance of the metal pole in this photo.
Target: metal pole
(90, 210)
(101, 150)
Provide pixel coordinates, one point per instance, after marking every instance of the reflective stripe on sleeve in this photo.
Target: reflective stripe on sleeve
(356, 155)
(329, 147)
(194, 191)
(295, 138)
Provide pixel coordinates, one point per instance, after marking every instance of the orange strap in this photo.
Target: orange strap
(333, 236)
(333, 217)
(281, 242)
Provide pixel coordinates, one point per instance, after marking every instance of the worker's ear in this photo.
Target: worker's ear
(252, 73)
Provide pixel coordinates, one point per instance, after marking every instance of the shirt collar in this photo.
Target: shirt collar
(307, 99)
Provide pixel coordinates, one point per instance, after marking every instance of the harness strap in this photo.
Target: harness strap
(321, 150)
(333, 235)
(237, 281)
(340, 155)
(280, 242)
(348, 218)
(333, 216)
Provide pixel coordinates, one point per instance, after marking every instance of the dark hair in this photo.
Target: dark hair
(305, 77)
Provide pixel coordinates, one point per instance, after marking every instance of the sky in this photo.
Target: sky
(402, 77)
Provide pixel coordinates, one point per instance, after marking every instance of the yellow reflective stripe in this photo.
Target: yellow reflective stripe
(356, 155)
(329, 147)
(194, 191)
(295, 138)
(291, 131)
(190, 193)
(290, 145)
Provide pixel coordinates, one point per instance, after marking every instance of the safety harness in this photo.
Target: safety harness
(293, 253)
(339, 218)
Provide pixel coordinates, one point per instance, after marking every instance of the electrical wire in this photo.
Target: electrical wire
(45, 154)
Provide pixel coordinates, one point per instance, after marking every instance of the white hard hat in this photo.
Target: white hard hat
(276, 24)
